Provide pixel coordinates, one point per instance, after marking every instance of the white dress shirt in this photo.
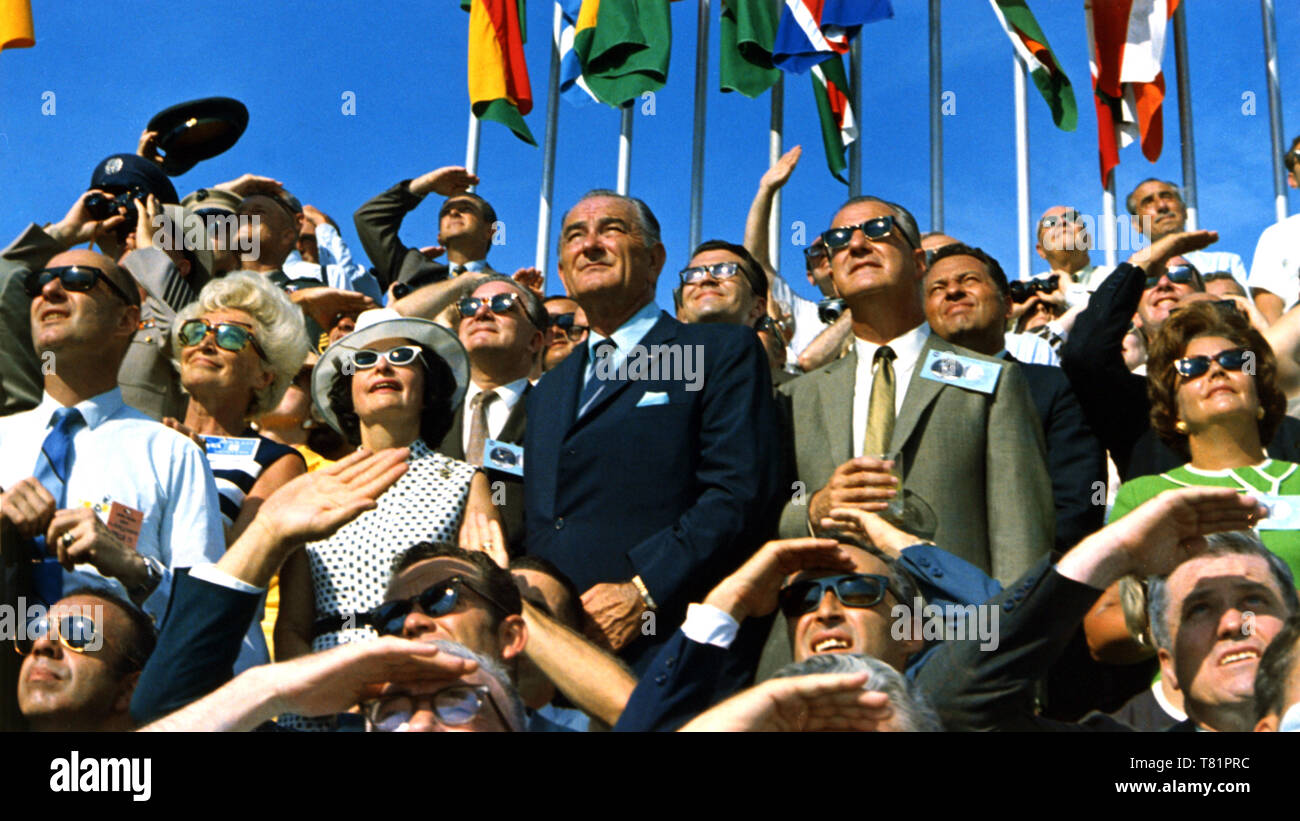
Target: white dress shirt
(907, 350)
(120, 455)
(498, 410)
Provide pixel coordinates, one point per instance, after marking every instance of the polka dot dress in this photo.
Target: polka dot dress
(351, 569)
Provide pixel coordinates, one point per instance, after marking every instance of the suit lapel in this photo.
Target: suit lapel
(836, 391)
(920, 393)
(513, 431)
(661, 332)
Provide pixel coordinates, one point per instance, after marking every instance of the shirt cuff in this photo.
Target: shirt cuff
(209, 573)
(706, 624)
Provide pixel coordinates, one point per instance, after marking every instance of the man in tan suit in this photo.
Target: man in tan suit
(973, 471)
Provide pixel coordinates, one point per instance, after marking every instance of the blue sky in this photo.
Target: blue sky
(405, 62)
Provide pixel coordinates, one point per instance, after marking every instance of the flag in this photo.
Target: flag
(573, 88)
(624, 47)
(16, 24)
(838, 119)
(812, 30)
(1126, 41)
(747, 31)
(1032, 47)
(498, 75)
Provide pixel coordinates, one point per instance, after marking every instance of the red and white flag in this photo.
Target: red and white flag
(1126, 42)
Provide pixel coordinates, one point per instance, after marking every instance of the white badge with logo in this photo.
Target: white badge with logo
(962, 371)
(231, 452)
(1283, 512)
(503, 456)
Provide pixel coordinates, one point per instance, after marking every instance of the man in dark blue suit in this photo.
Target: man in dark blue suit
(652, 453)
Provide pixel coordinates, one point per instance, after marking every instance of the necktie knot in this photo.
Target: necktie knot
(885, 354)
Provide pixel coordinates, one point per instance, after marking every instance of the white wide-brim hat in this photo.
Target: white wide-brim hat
(385, 323)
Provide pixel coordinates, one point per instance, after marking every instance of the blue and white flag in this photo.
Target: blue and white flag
(573, 88)
(812, 30)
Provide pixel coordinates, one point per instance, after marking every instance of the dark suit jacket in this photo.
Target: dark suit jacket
(202, 633)
(974, 473)
(679, 492)
(378, 223)
(512, 509)
(1076, 460)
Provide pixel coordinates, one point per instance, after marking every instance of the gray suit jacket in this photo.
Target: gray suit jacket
(148, 376)
(974, 473)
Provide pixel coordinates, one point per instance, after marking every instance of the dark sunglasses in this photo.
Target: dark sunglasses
(572, 330)
(1181, 275)
(435, 602)
(497, 304)
(80, 278)
(397, 357)
(454, 706)
(1023, 290)
(814, 252)
(230, 337)
(853, 590)
(874, 229)
(1060, 219)
(1191, 367)
(717, 271)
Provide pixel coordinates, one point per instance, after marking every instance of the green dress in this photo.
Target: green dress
(1272, 477)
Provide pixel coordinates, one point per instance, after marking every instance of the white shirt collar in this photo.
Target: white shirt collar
(508, 393)
(94, 410)
(907, 347)
(630, 332)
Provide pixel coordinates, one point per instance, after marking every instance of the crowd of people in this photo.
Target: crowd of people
(250, 483)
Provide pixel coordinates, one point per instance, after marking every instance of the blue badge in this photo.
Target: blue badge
(231, 446)
(962, 371)
(503, 456)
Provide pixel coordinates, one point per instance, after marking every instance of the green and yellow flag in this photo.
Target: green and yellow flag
(747, 30)
(624, 47)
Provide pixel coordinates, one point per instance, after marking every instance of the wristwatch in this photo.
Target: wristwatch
(154, 571)
(645, 593)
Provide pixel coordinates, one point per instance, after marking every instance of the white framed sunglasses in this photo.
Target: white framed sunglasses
(401, 356)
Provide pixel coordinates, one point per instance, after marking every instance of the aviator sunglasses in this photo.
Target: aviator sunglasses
(230, 337)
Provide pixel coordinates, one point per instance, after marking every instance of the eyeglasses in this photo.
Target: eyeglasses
(874, 229)
(814, 252)
(397, 357)
(1191, 367)
(718, 271)
(77, 633)
(1180, 275)
(853, 590)
(1023, 290)
(497, 304)
(768, 324)
(435, 602)
(565, 323)
(1060, 219)
(454, 706)
(79, 278)
(230, 337)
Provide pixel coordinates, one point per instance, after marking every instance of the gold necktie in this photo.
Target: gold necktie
(478, 427)
(880, 410)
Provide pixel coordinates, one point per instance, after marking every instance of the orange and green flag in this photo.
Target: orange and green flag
(16, 24)
(498, 75)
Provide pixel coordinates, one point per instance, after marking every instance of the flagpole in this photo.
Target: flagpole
(775, 148)
(697, 139)
(1186, 136)
(1108, 218)
(855, 100)
(471, 145)
(625, 150)
(1022, 164)
(548, 148)
(1274, 107)
(936, 120)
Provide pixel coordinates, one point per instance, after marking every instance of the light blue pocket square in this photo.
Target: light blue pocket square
(652, 398)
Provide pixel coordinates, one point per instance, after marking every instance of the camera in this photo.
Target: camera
(829, 310)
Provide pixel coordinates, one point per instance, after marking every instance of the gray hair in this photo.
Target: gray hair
(1132, 206)
(902, 216)
(513, 708)
(647, 225)
(1237, 542)
(533, 306)
(912, 709)
(279, 328)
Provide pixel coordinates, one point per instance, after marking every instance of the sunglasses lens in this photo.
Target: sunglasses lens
(403, 356)
(878, 227)
(78, 632)
(231, 337)
(468, 306)
(837, 237)
(77, 279)
(1232, 360)
(502, 303)
(859, 591)
(365, 359)
(192, 333)
(1192, 366)
(800, 598)
(457, 705)
(562, 321)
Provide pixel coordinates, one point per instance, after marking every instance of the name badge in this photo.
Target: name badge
(230, 452)
(962, 371)
(122, 521)
(1283, 512)
(504, 457)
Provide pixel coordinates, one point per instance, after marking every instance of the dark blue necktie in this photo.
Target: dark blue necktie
(600, 377)
(52, 469)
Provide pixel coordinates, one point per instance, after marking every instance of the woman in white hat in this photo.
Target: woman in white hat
(393, 382)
